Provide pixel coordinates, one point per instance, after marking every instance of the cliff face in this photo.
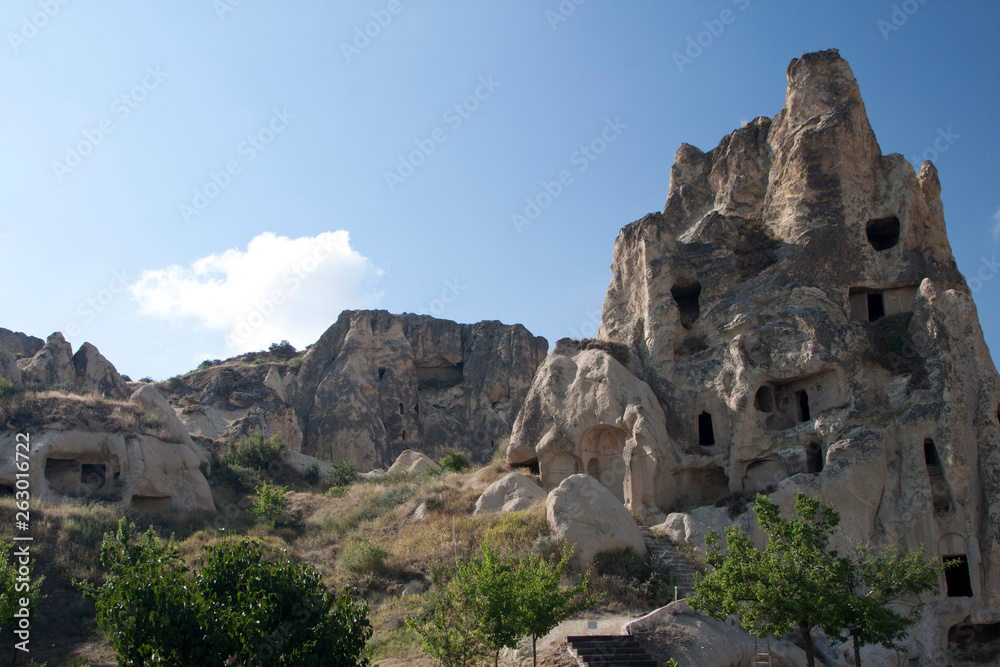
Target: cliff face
(798, 315)
(376, 384)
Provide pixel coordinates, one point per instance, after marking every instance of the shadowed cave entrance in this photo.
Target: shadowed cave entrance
(602, 449)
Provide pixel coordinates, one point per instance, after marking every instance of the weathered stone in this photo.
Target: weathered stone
(52, 366)
(95, 373)
(138, 471)
(797, 315)
(9, 368)
(20, 345)
(511, 493)
(376, 384)
(583, 512)
(412, 462)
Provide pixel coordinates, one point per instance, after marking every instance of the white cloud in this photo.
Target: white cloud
(278, 288)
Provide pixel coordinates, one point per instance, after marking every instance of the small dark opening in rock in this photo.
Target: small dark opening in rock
(957, 576)
(401, 408)
(706, 434)
(883, 233)
(381, 373)
(974, 643)
(416, 408)
(686, 298)
(814, 458)
(532, 466)
(931, 456)
(802, 398)
(764, 399)
(876, 306)
(6, 490)
(404, 436)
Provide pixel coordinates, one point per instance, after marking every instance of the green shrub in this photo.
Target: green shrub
(282, 350)
(270, 502)
(255, 451)
(384, 503)
(342, 473)
(455, 461)
(257, 362)
(640, 576)
(364, 559)
(208, 363)
(311, 475)
(146, 379)
(336, 491)
(245, 601)
(174, 383)
(6, 388)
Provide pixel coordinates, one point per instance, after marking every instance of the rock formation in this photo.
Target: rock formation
(511, 493)
(55, 366)
(376, 384)
(793, 320)
(20, 345)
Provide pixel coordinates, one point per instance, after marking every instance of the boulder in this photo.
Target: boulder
(697, 640)
(52, 366)
(511, 493)
(583, 512)
(152, 400)
(412, 462)
(95, 373)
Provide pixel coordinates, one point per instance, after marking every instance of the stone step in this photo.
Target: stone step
(608, 651)
(682, 567)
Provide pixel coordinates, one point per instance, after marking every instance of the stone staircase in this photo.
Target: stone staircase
(683, 567)
(608, 651)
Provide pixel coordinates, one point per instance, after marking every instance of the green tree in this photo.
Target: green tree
(244, 605)
(892, 576)
(795, 583)
(544, 602)
(448, 628)
(490, 584)
(270, 501)
(13, 591)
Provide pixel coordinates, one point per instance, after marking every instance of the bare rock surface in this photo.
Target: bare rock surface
(412, 462)
(20, 345)
(583, 512)
(511, 493)
(797, 316)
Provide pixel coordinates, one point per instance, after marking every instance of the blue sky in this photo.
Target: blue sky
(188, 180)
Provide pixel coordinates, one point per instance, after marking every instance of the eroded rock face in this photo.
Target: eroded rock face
(376, 384)
(56, 367)
(798, 317)
(20, 345)
(584, 512)
(412, 462)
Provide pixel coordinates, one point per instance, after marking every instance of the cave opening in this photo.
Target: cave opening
(706, 433)
(763, 400)
(802, 401)
(686, 298)
(876, 306)
(956, 576)
(883, 233)
(814, 458)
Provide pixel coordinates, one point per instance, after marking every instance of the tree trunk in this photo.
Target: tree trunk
(496, 658)
(857, 652)
(810, 651)
(534, 659)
